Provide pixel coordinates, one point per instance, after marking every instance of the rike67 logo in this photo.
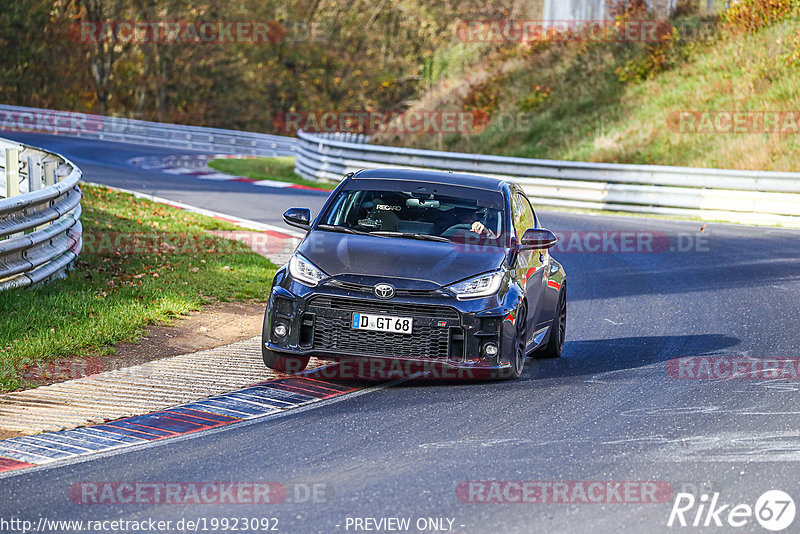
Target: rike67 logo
(774, 510)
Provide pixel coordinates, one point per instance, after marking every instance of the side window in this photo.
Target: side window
(533, 212)
(516, 216)
(524, 217)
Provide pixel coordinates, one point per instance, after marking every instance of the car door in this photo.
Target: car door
(531, 264)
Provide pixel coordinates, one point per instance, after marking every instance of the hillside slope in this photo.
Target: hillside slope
(624, 102)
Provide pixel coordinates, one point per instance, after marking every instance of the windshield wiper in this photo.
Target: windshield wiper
(340, 228)
(410, 235)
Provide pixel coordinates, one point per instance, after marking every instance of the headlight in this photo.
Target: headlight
(304, 271)
(480, 286)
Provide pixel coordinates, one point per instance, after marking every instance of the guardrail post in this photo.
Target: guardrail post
(49, 173)
(12, 172)
(34, 173)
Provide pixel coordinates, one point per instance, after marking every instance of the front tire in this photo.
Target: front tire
(520, 344)
(558, 329)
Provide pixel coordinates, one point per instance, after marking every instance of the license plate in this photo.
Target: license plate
(382, 323)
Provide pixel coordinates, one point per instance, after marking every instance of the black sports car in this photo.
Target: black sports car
(419, 267)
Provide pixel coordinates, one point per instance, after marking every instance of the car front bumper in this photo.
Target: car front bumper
(448, 334)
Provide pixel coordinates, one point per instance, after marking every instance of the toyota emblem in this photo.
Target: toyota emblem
(384, 291)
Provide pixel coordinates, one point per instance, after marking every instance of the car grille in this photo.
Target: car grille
(333, 332)
(384, 307)
(360, 288)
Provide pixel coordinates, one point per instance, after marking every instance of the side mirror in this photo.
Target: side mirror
(298, 217)
(537, 238)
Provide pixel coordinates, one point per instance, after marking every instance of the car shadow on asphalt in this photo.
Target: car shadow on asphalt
(581, 358)
(598, 356)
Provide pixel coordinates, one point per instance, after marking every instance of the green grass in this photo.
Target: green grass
(278, 169)
(590, 115)
(112, 295)
(740, 72)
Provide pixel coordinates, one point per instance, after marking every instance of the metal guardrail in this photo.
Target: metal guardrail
(40, 228)
(215, 140)
(753, 197)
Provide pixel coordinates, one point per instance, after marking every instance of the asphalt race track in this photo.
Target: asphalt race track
(611, 410)
(107, 163)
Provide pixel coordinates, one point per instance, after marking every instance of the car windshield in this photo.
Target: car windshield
(446, 213)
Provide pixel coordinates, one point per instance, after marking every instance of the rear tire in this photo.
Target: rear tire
(558, 329)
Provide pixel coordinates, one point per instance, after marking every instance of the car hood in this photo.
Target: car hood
(398, 258)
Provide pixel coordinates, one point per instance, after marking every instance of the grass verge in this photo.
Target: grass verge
(277, 169)
(143, 263)
(579, 106)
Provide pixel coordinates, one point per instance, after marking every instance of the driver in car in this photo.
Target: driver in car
(476, 221)
(479, 228)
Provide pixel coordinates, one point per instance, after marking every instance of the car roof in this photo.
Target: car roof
(437, 177)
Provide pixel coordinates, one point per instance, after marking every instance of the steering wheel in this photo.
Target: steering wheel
(456, 229)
